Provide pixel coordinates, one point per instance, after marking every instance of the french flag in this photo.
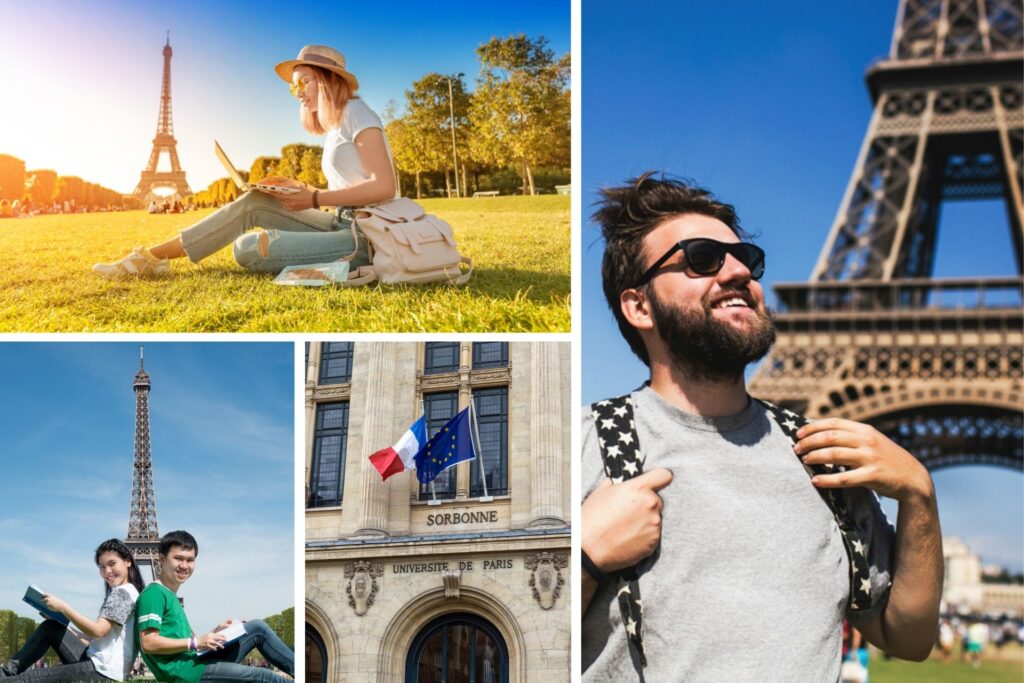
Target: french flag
(402, 456)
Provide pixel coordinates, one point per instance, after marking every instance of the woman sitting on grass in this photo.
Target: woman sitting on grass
(356, 162)
(110, 652)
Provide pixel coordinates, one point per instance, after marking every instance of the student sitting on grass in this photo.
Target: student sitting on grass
(170, 647)
(111, 652)
(356, 163)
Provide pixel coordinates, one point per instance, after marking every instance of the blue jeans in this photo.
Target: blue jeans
(49, 635)
(78, 672)
(289, 238)
(224, 665)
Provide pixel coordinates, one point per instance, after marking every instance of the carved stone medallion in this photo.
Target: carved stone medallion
(362, 584)
(546, 579)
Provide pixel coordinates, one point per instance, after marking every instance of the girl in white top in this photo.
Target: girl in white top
(105, 647)
(356, 162)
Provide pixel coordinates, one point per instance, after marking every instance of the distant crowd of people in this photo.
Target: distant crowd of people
(973, 633)
(26, 209)
(975, 636)
(167, 206)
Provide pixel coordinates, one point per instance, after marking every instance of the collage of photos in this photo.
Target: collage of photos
(555, 342)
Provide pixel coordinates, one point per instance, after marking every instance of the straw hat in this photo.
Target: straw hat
(321, 56)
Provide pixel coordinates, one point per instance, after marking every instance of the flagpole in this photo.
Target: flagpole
(476, 449)
(433, 494)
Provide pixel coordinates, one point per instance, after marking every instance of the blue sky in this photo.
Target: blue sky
(222, 441)
(765, 106)
(83, 79)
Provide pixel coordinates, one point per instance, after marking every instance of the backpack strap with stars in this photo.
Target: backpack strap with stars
(837, 500)
(620, 452)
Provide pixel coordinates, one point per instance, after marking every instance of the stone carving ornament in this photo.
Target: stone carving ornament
(362, 584)
(546, 579)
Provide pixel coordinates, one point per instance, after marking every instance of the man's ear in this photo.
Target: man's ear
(636, 309)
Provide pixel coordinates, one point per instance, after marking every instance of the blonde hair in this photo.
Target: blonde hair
(332, 95)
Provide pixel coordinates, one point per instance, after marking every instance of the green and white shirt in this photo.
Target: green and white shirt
(158, 607)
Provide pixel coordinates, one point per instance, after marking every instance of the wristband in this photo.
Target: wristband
(192, 644)
(591, 568)
(316, 202)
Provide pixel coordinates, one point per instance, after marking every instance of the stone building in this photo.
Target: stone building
(964, 591)
(466, 579)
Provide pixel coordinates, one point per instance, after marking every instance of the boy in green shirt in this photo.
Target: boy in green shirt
(169, 645)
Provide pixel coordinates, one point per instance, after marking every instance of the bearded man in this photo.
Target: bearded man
(749, 539)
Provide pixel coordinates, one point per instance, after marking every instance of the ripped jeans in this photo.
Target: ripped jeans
(288, 238)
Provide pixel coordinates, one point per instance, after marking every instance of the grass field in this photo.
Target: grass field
(1008, 668)
(519, 247)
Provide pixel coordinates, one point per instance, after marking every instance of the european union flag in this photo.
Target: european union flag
(451, 445)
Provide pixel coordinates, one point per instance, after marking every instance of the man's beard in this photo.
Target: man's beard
(706, 350)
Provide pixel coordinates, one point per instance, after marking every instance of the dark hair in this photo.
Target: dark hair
(627, 214)
(114, 545)
(178, 538)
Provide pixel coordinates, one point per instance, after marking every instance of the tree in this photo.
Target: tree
(309, 167)
(263, 167)
(429, 119)
(521, 108)
(42, 186)
(70, 188)
(14, 631)
(12, 177)
(291, 161)
(406, 150)
(283, 624)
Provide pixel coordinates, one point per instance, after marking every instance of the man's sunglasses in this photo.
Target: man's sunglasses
(707, 256)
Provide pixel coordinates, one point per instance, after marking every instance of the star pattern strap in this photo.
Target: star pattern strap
(620, 453)
(860, 598)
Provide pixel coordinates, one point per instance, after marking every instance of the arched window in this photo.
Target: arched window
(457, 648)
(316, 657)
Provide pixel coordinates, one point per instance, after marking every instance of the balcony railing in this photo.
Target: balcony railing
(921, 295)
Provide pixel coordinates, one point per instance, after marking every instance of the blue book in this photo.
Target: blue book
(34, 596)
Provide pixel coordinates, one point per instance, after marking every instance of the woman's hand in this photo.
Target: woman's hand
(56, 604)
(223, 625)
(210, 641)
(299, 201)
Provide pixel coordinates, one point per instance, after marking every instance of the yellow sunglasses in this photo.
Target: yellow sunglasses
(296, 88)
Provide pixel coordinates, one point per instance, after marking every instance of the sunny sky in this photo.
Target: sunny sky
(82, 80)
(766, 106)
(223, 466)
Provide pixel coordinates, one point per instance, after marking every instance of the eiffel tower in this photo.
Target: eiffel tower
(163, 142)
(143, 534)
(933, 363)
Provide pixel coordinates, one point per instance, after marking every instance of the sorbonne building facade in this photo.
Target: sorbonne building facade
(465, 580)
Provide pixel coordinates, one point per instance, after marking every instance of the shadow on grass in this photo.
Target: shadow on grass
(492, 283)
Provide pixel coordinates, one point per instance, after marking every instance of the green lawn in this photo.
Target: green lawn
(519, 247)
(1009, 668)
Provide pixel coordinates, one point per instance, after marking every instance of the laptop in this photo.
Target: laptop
(237, 177)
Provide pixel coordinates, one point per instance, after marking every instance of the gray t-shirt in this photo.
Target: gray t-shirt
(751, 578)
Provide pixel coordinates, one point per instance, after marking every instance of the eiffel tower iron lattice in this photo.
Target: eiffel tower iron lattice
(936, 364)
(152, 179)
(143, 533)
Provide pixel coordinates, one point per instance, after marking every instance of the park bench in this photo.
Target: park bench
(485, 193)
(563, 189)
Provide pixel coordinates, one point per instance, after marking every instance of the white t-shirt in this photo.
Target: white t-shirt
(114, 653)
(340, 162)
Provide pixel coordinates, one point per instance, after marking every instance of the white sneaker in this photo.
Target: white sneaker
(139, 263)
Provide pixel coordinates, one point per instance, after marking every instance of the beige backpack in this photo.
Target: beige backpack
(408, 245)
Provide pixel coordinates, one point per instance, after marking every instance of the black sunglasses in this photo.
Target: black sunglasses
(706, 256)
